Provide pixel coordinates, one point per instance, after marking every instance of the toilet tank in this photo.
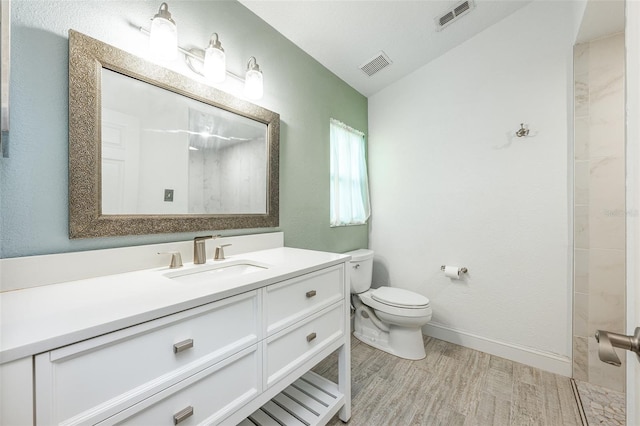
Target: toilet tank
(361, 270)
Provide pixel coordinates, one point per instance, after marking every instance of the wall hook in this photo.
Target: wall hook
(523, 131)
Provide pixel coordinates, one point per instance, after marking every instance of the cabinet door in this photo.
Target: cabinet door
(288, 302)
(16, 392)
(293, 346)
(92, 380)
(204, 398)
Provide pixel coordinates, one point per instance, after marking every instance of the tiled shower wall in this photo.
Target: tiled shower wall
(599, 206)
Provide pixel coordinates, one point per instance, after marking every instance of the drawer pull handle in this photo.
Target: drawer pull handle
(311, 293)
(182, 415)
(311, 337)
(182, 346)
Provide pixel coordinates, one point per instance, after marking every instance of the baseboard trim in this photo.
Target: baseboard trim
(543, 360)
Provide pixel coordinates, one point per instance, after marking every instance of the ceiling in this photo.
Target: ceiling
(343, 35)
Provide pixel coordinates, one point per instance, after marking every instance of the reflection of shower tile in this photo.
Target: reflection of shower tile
(580, 359)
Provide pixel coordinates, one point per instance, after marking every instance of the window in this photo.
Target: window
(349, 183)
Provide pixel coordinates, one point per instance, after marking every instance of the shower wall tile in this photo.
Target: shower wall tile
(580, 359)
(602, 374)
(606, 290)
(581, 227)
(605, 54)
(581, 181)
(599, 205)
(607, 203)
(581, 92)
(581, 270)
(581, 138)
(581, 58)
(581, 315)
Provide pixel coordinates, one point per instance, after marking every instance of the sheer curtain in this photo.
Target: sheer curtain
(349, 182)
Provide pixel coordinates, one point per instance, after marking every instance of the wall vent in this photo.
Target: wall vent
(454, 14)
(375, 64)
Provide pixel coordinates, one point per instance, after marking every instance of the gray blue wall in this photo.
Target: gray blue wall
(33, 180)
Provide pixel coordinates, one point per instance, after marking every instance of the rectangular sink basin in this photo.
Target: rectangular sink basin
(216, 273)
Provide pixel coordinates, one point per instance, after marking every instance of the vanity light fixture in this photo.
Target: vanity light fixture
(253, 84)
(209, 63)
(163, 36)
(214, 66)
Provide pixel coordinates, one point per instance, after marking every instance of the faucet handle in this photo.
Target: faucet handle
(176, 259)
(220, 252)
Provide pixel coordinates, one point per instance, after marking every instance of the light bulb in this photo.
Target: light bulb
(163, 36)
(215, 64)
(253, 84)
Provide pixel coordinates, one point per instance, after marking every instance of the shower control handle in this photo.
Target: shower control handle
(608, 340)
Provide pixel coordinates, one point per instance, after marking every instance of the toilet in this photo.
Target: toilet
(387, 318)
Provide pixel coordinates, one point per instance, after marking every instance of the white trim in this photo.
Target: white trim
(547, 361)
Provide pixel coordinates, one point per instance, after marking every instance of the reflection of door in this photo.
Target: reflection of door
(120, 154)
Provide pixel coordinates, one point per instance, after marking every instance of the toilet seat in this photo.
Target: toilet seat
(402, 311)
(399, 298)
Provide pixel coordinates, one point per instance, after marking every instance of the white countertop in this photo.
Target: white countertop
(39, 319)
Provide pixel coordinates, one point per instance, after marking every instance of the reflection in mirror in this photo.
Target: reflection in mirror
(152, 151)
(163, 153)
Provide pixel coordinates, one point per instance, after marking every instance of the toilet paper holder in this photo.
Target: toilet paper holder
(462, 270)
(608, 340)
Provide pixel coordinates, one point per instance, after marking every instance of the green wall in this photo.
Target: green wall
(33, 180)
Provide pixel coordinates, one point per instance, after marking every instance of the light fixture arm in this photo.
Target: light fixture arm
(196, 54)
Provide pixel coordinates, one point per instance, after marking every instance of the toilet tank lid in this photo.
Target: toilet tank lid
(360, 255)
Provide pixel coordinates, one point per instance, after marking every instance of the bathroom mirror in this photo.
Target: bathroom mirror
(153, 151)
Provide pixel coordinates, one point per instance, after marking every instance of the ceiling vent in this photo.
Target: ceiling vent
(454, 14)
(375, 64)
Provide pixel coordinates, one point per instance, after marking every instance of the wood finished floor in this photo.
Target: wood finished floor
(453, 385)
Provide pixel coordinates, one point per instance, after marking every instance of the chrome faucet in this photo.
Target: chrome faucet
(200, 250)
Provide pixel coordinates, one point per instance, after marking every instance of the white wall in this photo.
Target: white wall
(452, 185)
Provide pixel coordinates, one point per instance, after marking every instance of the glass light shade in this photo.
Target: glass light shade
(253, 85)
(163, 36)
(215, 65)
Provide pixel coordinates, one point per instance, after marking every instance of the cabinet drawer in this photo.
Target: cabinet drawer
(289, 301)
(204, 398)
(291, 347)
(92, 380)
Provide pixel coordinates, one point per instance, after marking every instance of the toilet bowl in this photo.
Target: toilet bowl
(387, 318)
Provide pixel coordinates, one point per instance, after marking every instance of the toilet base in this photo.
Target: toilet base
(403, 342)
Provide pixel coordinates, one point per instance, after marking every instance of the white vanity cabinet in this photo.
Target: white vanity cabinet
(90, 381)
(218, 363)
